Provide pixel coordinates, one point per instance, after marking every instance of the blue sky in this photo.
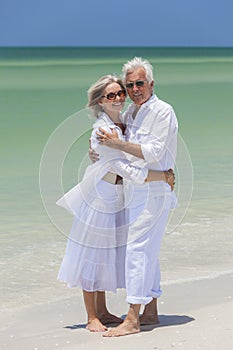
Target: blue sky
(116, 23)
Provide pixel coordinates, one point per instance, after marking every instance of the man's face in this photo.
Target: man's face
(139, 94)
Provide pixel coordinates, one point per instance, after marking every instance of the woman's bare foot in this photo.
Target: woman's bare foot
(94, 325)
(102, 311)
(108, 318)
(125, 328)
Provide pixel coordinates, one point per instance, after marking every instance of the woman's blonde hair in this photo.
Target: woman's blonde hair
(96, 91)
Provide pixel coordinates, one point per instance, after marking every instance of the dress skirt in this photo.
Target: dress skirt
(95, 253)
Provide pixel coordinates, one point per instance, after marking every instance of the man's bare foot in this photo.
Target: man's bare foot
(148, 320)
(109, 319)
(150, 314)
(95, 325)
(125, 328)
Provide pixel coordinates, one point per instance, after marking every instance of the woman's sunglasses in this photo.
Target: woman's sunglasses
(112, 95)
(138, 83)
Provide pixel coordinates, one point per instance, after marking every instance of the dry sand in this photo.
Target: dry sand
(193, 315)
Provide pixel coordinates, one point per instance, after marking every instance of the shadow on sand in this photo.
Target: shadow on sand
(76, 326)
(173, 320)
(168, 321)
(164, 321)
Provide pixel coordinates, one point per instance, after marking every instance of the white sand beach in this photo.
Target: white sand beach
(193, 315)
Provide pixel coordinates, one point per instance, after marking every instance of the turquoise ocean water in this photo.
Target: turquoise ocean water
(41, 88)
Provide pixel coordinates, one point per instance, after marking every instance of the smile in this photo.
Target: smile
(117, 104)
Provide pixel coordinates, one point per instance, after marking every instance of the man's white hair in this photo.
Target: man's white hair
(135, 63)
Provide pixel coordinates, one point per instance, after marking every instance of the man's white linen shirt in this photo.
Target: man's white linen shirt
(155, 128)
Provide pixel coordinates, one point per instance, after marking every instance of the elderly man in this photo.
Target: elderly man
(151, 141)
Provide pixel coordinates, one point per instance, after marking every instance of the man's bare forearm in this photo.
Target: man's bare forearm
(129, 147)
(112, 140)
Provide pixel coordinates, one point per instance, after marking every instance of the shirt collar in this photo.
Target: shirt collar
(146, 104)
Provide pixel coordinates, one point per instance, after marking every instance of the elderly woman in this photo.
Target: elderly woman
(95, 253)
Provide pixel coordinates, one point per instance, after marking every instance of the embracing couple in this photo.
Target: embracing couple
(122, 204)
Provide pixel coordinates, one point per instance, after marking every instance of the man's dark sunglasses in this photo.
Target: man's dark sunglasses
(112, 95)
(138, 83)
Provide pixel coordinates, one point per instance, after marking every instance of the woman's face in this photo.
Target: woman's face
(113, 99)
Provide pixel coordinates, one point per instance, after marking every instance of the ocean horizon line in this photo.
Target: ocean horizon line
(12, 54)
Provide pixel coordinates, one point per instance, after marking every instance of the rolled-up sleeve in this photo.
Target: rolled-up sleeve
(130, 172)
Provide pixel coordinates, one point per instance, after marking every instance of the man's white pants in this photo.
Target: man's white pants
(147, 225)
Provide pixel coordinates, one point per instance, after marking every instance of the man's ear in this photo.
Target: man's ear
(152, 83)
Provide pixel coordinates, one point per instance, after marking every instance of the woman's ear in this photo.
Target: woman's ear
(100, 103)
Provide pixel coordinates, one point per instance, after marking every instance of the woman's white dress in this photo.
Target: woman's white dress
(95, 253)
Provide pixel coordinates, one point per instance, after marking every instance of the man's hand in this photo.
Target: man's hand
(170, 178)
(94, 157)
(108, 139)
(111, 139)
